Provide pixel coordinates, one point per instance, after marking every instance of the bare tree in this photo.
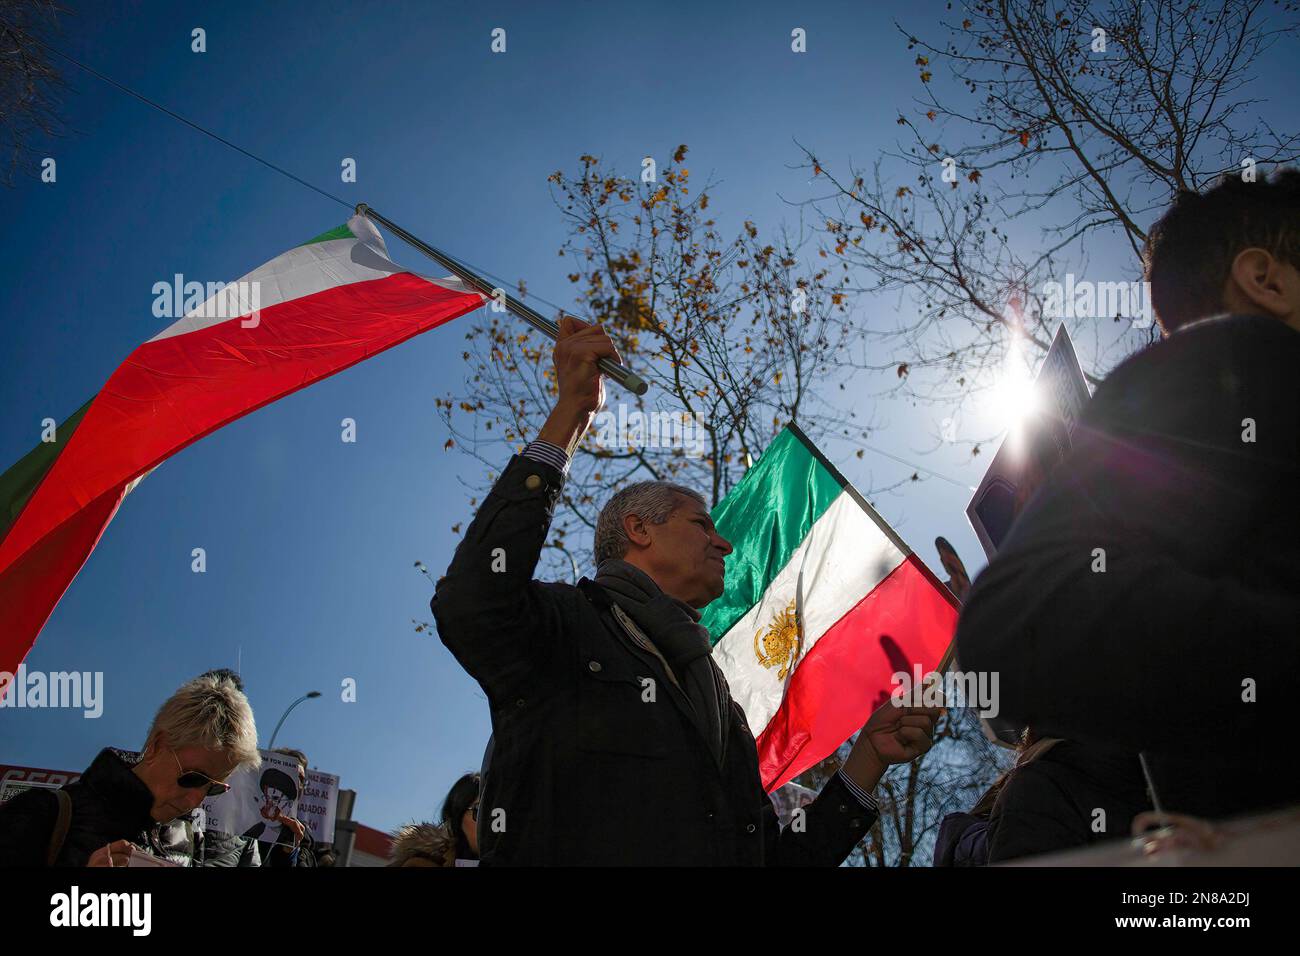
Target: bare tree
(1045, 130)
(29, 83)
(734, 334)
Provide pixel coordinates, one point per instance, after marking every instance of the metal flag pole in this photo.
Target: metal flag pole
(1151, 788)
(619, 373)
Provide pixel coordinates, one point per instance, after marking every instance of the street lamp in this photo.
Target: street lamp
(419, 566)
(307, 696)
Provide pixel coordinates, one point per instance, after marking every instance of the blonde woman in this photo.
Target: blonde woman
(200, 736)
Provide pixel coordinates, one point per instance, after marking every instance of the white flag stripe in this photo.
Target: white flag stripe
(303, 271)
(844, 556)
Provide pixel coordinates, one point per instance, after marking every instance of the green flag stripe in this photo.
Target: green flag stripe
(765, 518)
(19, 482)
(339, 232)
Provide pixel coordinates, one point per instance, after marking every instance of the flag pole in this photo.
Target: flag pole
(619, 373)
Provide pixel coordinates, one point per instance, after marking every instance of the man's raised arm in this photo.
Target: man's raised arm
(489, 613)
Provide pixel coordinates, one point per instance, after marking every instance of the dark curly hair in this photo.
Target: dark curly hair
(1190, 249)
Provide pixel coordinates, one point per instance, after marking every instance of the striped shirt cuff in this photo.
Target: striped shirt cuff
(862, 796)
(548, 454)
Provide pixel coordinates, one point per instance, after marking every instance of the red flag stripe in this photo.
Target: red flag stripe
(170, 393)
(904, 620)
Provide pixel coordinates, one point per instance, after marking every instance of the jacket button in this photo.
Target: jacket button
(843, 808)
(533, 482)
(519, 702)
(855, 823)
(593, 666)
(751, 828)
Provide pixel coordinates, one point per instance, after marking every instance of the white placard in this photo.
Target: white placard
(258, 798)
(1019, 468)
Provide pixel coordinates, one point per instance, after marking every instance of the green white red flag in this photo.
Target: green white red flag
(319, 308)
(823, 604)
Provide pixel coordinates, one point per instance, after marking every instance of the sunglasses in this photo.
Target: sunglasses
(193, 779)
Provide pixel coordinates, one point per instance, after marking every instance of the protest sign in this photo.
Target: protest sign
(1026, 458)
(317, 805)
(257, 800)
(1023, 463)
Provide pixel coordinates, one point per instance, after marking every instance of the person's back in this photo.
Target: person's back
(1149, 597)
(1069, 797)
(1200, 537)
(962, 840)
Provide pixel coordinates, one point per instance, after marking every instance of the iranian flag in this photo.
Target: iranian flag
(313, 311)
(824, 603)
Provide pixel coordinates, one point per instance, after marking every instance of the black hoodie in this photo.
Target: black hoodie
(1070, 797)
(1148, 599)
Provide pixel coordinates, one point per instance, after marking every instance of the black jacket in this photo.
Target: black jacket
(586, 768)
(963, 840)
(1070, 797)
(226, 850)
(1200, 596)
(109, 803)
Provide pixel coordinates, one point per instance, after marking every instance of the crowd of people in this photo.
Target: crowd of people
(1143, 615)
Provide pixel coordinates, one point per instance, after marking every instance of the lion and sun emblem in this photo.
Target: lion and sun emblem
(782, 643)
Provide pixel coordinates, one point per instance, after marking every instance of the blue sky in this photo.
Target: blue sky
(310, 541)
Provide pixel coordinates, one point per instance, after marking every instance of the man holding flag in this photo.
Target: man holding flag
(617, 740)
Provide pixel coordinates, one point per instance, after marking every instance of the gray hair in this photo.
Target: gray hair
(211, 712)
(652, 501)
